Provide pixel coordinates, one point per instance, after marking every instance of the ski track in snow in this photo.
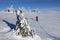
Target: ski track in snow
(7, 25)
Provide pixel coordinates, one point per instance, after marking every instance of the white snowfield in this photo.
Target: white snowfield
(47, 28)
(7, 32)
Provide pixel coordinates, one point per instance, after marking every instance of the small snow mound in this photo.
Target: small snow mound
(28, 38)
(19, 37)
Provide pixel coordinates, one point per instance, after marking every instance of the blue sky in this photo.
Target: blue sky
(42, 4)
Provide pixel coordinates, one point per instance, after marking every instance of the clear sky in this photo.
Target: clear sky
(42, 4)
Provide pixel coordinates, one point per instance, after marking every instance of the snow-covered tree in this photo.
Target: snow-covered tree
(23, 25)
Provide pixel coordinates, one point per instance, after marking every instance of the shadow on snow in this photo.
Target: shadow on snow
(12, 26)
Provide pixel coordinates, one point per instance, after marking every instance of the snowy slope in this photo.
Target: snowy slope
(43, 28)
(7, 28)
(48, 25)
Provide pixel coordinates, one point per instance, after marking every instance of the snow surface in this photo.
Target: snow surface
(7, 28)
(47, 28)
